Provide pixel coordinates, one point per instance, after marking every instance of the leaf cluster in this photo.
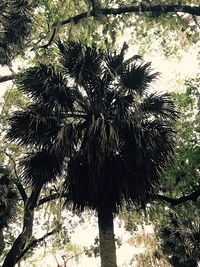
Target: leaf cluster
(8, 198)
(15, 24)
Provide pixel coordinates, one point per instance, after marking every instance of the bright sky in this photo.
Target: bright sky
(174, 73)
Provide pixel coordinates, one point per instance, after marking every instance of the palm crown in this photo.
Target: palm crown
(95, 117)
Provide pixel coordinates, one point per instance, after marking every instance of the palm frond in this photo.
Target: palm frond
(82, 191)
(122, 105)
(99, 141)
(66, 141)
(147, 151)
(136, 77)
(34, 126)
(47, 85)
(83, 63)
(159, 105)
(114, 62)
(41, 167)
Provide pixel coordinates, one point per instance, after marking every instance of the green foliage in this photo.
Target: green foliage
(8, 198)
(16, 23)
(32, 24)
(179, 227)
(184, 175)
(180, 236)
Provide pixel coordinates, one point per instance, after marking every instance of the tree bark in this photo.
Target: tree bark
(26, 234)
(106, 237)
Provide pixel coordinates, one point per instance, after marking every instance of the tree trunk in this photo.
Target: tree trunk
(26, 234)
(106, 237)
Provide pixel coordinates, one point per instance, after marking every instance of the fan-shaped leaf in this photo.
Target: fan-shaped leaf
(47, 85)
(35, 126)
(147, 151)
(137, 77)
(159, 105)
(114, 62)
(83, 63)
(41, 167)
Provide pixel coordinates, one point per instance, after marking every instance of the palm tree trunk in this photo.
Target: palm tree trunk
(106, 236)
(26, 233)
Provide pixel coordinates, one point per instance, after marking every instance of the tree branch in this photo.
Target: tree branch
(172, 201)
(195, 20)
(26, 233)
(50, 197)
(156, 9)
(8, 77)
(177, 201)
(34, 242)
(17, 179)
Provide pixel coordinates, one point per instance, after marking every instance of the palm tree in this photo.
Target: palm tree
(95, 118)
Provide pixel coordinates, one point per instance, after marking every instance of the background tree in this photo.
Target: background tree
(36, 24)
(176, 219)
(16, 23)
(181, 222)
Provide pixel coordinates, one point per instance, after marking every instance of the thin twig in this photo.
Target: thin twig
(195, 20)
